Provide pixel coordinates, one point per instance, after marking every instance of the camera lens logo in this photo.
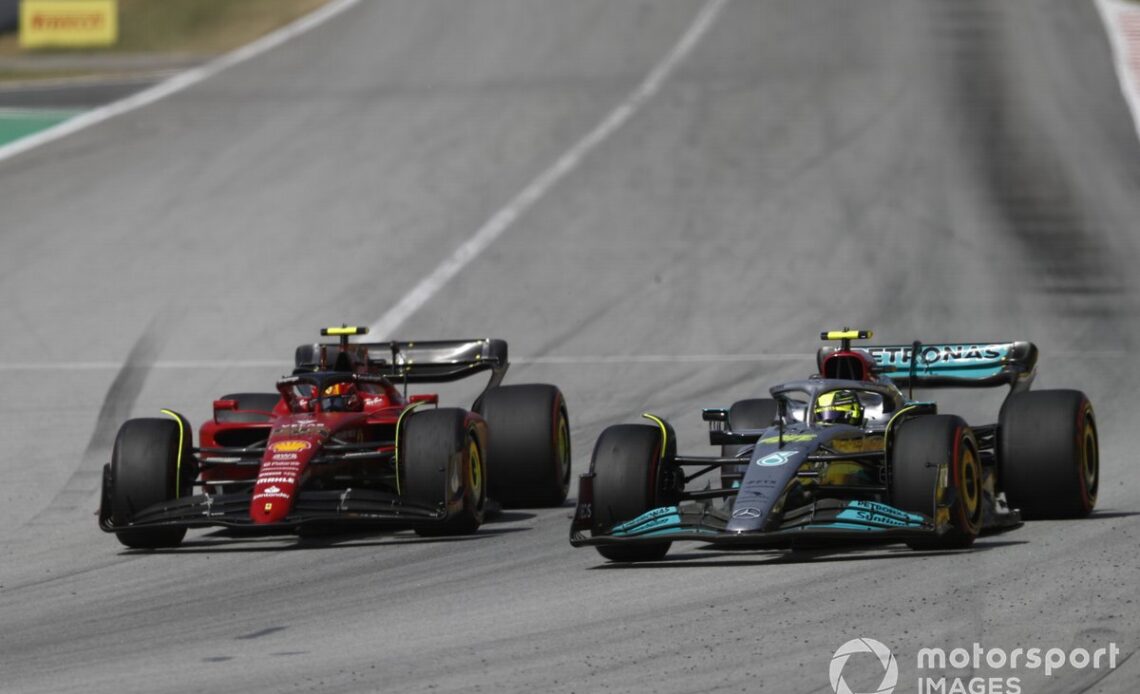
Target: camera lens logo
(854, 646)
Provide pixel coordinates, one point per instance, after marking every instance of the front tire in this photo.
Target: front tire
(151, 463)
(1049, 454)
(923, 447)
(628, 466)
(442, 466)
(528, 445)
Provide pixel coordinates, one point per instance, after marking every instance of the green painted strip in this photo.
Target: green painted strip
(18, 123)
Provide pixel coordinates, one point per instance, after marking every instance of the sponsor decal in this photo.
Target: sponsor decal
(650, 520)
(291, 446)
(936, 354)
(68, 23)
(989, 670)
(268, 507)
(864, 645)
(280, 470)
(656, 524)
(301, 429)
(777, 458)
(283, 457)
(882, 508)
(870, 517)
(789, 438)
(766, 482)
(276, 480)
(272, 492)
(747, 512)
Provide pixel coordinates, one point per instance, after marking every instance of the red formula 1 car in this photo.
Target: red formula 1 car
(342, 443)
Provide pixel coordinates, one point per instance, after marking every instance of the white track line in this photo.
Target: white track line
(1122, 21)
(502, 220)
(178, 82)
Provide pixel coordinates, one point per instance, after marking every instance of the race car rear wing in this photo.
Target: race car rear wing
(437, 361)
(953, 365)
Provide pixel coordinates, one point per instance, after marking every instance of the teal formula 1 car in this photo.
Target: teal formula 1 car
(846, 457)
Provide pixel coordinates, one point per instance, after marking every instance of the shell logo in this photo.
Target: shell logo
(290, 446)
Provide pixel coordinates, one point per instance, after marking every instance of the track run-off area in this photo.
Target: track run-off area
(659, 205)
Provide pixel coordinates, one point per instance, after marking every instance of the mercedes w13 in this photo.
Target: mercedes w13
(847, 457)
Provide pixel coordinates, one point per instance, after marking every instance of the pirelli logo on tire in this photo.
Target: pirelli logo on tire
(68, 23)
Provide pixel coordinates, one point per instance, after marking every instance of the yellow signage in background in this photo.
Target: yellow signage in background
(68, 23)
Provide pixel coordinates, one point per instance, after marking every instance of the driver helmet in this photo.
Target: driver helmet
(838, 407)
(341, 397)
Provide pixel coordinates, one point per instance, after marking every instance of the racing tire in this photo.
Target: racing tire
(627, 467)
(528, 445)
(1048, 454)
(442, 465)
(263, 402)
(922, 447)
(145, 470)
(756, 413)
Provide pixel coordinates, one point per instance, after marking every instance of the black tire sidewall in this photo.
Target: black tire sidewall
(144, 472)
(434, 450)
(1042, 451)
(626, 465)
(920, 447)
(526, 465)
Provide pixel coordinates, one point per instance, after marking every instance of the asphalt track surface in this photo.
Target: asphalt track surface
(934, 170)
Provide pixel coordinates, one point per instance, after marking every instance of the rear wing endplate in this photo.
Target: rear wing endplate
(953, 365)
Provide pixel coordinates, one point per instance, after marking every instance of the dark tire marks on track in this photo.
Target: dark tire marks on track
(117, 405)
(1028, 178)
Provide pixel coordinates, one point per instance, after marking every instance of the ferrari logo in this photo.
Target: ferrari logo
(269, 507)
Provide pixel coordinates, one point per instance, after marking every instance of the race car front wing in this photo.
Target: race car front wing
(357, 506)
(828, 521)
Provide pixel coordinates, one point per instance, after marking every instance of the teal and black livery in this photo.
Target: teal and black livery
(796, 469)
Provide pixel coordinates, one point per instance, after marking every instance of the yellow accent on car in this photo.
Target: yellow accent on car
(345, 330)
(896, 416)
(399, 427)
(664, 430)
(789, 438)
(847, 335)
(178, 465)
(475, 463)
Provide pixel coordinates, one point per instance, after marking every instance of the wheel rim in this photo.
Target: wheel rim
(1090, 457)
(970, 483)
(563, 448)
(474, 469)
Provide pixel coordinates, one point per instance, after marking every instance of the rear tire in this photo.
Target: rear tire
(528, 445)
(627, 482)
(442, 465)
(264, 402)
(921, 448)
(1048, 454)
(144, 472)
